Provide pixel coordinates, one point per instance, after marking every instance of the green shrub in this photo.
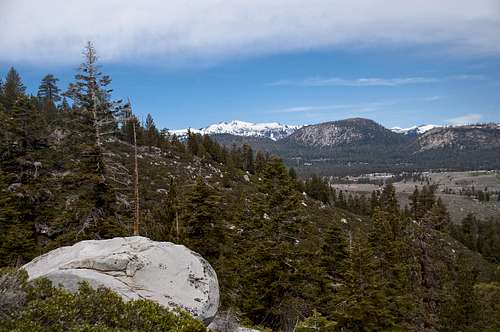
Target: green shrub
(316, 323)
(43, 307)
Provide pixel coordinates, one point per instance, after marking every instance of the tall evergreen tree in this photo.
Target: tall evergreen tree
(13, 88)
(151, 132)
(48, 95)
(92, 97)
(366, 307)
(48, 90)
(202, 220)
(94, 123)
(248, 161)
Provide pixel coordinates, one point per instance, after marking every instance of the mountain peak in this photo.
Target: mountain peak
(415, 130)
(345, 132)
(271, 130)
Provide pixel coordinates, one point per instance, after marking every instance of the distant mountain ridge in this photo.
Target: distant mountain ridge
(272, 130)
(362, 145)
(276, 131)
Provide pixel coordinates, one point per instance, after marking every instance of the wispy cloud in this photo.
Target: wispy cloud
(131, 30)
(363, 107)
(432, 98)
(336, 81)
(373, 81)
(465, 119)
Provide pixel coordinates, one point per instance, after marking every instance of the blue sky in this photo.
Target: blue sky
(291, 75)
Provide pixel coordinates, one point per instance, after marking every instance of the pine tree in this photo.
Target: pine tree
(459, 310)
(415, 204)
(341, 201)
(366, 307)
(48, 96)
(48, 90)
(151, 132)
(374, 201)
(17, 241)
(91, 95)
(13, 88)
(388, 201)
(260, 161)
(248, 162)
(64, 107)
(28, 125)
(96, 123)
(437, 217)
(202, 220)
(334, 256)
(192, 143)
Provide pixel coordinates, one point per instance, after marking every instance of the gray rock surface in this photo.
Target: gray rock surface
(136, 268)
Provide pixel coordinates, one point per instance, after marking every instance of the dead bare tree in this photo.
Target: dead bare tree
(137, 214)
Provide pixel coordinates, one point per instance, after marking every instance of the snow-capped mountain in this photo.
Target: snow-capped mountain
(272, 130)
(414, 130)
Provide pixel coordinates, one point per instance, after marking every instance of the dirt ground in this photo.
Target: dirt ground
(458, 205)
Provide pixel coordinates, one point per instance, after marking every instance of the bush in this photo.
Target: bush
(43, 307)
(12, 291)
(316, 323)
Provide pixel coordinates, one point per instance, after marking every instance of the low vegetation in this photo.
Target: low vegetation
(38, 306)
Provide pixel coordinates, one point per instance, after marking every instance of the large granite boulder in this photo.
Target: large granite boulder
(136, 268)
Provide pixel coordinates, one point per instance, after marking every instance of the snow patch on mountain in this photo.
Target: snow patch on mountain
(271, 130)
(415, 130)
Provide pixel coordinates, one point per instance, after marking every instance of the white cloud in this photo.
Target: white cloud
(176, 30)
(465, 119)
(336, 81)
(374, 81)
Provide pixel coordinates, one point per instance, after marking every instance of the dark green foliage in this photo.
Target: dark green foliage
(479, 235)
(319, 189)
(12, 88)
(202, 220)
(367, 307)
(316, 322)
(151, 133)
(40, 307)
(428, 209)
(248, 158)
(461, 303)
(48, 90)
(49, 95)
(487, 314)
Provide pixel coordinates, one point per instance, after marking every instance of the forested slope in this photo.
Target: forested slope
(284, 250)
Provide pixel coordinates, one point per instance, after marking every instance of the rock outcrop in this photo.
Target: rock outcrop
(136, 268)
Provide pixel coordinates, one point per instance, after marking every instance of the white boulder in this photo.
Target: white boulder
(136, 268)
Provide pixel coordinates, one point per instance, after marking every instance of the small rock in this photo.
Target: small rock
(13, 187)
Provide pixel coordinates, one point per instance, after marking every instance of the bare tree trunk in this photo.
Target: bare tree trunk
(177, 225)
(136, 186)
(95, 121)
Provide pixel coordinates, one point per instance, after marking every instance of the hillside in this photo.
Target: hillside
(285, 250)
(350, 132)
